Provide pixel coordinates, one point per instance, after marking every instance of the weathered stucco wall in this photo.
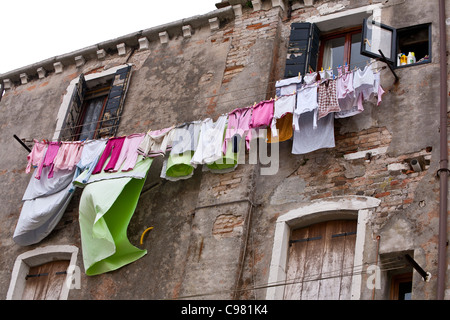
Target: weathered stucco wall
(215, 233)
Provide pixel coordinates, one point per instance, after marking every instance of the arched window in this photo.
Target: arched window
(320, 261)
(354, 208)
(42, 274)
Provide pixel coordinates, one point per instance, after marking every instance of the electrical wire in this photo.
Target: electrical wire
(386, 265)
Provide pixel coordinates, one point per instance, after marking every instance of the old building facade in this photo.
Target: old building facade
(360, 220)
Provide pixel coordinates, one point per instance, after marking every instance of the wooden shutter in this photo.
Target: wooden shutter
(320, 261)
(45, 282)
(71, 124)
(114, 106)
(303, 49)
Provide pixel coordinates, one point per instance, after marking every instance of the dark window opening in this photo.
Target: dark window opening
(96, 106)
(402, 47)
(414, 41)
(340, 48)
(92, 112)
(401, 286)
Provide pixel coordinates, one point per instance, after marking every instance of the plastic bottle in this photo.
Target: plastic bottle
(403, 60)
(410, 58)
(398, 58)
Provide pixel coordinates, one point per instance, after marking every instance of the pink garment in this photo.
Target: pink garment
(113, 148)
(69, 154)
(344, 83)
(262, 114)
(36, 156)
(50, 155)
(128, 155)
(380, 94)
(238, 123)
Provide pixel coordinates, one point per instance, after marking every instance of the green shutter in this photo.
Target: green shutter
(303, 49)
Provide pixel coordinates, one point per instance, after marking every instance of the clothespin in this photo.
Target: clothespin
(321, 69)
(299, 75)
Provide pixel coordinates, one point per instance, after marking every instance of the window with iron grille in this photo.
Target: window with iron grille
(96, 106)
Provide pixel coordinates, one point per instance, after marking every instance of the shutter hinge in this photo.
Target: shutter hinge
(343, 234)
(43, 274)
(305, 240)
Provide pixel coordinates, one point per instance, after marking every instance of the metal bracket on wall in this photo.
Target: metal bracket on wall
(425, 275)
(22, 143)
(389, 65)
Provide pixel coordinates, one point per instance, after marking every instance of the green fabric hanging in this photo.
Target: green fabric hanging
(179, 165)
(106, 208)
(229, 160)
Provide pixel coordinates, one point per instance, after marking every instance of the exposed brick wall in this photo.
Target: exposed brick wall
(391, 179)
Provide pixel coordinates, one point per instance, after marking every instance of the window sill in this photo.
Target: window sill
(412, 64)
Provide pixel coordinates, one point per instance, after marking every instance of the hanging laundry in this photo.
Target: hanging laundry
(348, 100)
(92, 150)
(282, 106)
(378, 91)
(184, 144)
(210, 142)
(238, 124)
(327, 98)
(262, 114)
(112, 151)
(36, 156)
(45, 201)
(128, 154)
(287, 86)
(106, 208)
(308, 138)
(306, 99)
(344, 82)
(50, 155)
(283, 129)
(229, 161)
(363, 82)
(157, 142)
(68, 155)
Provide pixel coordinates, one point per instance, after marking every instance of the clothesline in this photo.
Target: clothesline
(212, 96)
(296, 106)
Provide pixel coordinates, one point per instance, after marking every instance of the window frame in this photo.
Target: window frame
(395, 42)
(400, 30)
(346, 33)
(396, 280)
(89, 96)
(67, 98)
(370, 54)
(37, 257)
(358, 207)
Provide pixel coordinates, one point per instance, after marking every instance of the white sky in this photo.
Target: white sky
(35, 30)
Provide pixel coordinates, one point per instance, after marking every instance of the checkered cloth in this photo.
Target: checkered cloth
(327, 98)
